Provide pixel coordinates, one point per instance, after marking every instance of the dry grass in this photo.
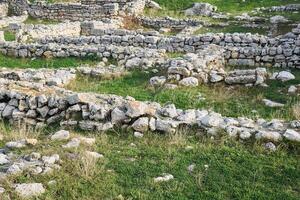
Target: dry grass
(296, 110)
(131, 23)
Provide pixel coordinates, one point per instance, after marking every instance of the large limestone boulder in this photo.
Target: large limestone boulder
(201, 9)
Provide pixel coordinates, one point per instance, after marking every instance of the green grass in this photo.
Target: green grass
(235, 171)
(234, 102)
(9, 36)
(10, 62)
(31, 20)
(233, 6)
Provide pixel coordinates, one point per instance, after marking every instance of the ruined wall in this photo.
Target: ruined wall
(61, 11)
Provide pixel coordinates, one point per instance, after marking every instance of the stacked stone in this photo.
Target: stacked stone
(38, 31)
(58, 77)
(248, 77)
(101, 51)
(37, 105)
(71, 11)
(129, 6)
(168, 22)
(6, 21)
(289, 7)
(99, 27)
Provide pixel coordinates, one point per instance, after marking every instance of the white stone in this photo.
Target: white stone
(61, 135)
(28, 190)
(189, 82)
(272, 104)
(94, 154)
(292, 89)
(74, 143)
(285, 76)
(164, 178)
(211, 120)
(292, 135)
(138, 134)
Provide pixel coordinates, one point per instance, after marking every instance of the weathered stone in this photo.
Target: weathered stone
(28, 190)
(61, 135)
(292, 135)
(141, 124)
(189, 82)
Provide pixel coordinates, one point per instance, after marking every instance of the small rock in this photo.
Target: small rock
(138, 134)
(16, 144)
(270, 146)
(28, 190)
(74, 143)
(189, 82)
(164, 178)
(61, 135)
(32, 142)
(292, 89)
(292, 135)
(94, 154)
(272, 104)
(191, 168)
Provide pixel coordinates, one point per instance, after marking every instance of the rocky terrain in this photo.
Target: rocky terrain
(137, 99)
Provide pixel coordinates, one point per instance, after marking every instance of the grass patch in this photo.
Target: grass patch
(32, 20)
(224, 169)
(230, 101)
(9, 36)
(10, 62)
(232, 6)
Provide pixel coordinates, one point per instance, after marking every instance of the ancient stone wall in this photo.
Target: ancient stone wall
(60, 11)
(128, 6)
(241, 49)
(168, 22)
(29, 32)
(36, 104)
(76, 11)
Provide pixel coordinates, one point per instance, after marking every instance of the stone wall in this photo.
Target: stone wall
(4, 22)
(168, 22)
(289, 7)
(129, 6)
(76, 11)
(29, 32)
(38, 105)
(57, 50)
(60, 11)
(241, 49)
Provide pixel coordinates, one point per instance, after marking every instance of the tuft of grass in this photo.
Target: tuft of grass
(296, 110)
